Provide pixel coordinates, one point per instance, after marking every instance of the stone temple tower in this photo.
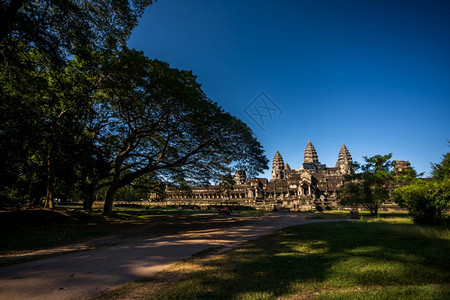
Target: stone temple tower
(310, 154)
(240, 177)
(344, 162)
(400, 166)
(277, 166)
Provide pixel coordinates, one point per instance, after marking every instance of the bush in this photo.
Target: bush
(426, 201)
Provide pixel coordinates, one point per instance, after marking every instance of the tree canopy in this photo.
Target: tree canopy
(105, 123)
(369, 188)
(45, 97)
(58, 28)
(163, 123)
(45, 112)
(226, 184)
(441, 170)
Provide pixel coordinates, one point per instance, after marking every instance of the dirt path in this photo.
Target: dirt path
(89, 273)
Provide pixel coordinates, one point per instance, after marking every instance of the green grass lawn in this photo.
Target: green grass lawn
(383, 258)
(343, 214)
(332, 214)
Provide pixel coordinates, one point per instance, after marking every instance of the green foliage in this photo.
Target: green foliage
(45, 115)
(141, 188)
(226, 183)
(80, 112)
(425, 201)
(144, 185)
(65, 27)
(160, 190)
(441, 170)
(164, 124)
(406, 176)
(371, 187)
(377, 163)
(47, 146)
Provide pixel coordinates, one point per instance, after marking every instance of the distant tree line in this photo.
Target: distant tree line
(83, 113)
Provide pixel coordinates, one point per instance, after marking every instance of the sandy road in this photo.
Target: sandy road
(89, 273)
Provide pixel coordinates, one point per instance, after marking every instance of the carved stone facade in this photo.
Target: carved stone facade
(310, 154)
(401, 165)
(312, 186)
(344, 162)
(240, 177)
(277, 166)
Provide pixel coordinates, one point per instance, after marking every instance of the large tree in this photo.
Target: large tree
(369, 188)
(157, 119)
(41, 140)
(109, 104)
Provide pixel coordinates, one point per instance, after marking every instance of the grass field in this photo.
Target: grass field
(383, 258)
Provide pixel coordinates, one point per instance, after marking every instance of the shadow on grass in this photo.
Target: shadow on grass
(321, 259)
(35, 229)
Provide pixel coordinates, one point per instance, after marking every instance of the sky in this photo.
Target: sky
(373, 75)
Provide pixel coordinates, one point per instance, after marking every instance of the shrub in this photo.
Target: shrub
(425, 201)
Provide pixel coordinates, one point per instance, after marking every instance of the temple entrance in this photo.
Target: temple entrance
(305, 190)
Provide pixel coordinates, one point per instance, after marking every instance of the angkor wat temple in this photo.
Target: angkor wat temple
(312, 186)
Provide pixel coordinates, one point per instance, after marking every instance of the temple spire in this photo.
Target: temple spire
(277, 166)
(240, 177)
(344, 162)
(310, 154)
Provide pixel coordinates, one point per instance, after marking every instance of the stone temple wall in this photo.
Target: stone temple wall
(313, 186)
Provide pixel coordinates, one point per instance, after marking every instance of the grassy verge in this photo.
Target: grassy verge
(332, 214)
(342, 214)
(384, 258)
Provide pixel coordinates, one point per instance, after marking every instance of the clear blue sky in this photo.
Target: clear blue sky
(374, 75)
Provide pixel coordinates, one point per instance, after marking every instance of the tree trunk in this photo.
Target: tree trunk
(373, 209)
(109, 198)
(89, 194)
(107, 208)
(49, 196)
(88, 200)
